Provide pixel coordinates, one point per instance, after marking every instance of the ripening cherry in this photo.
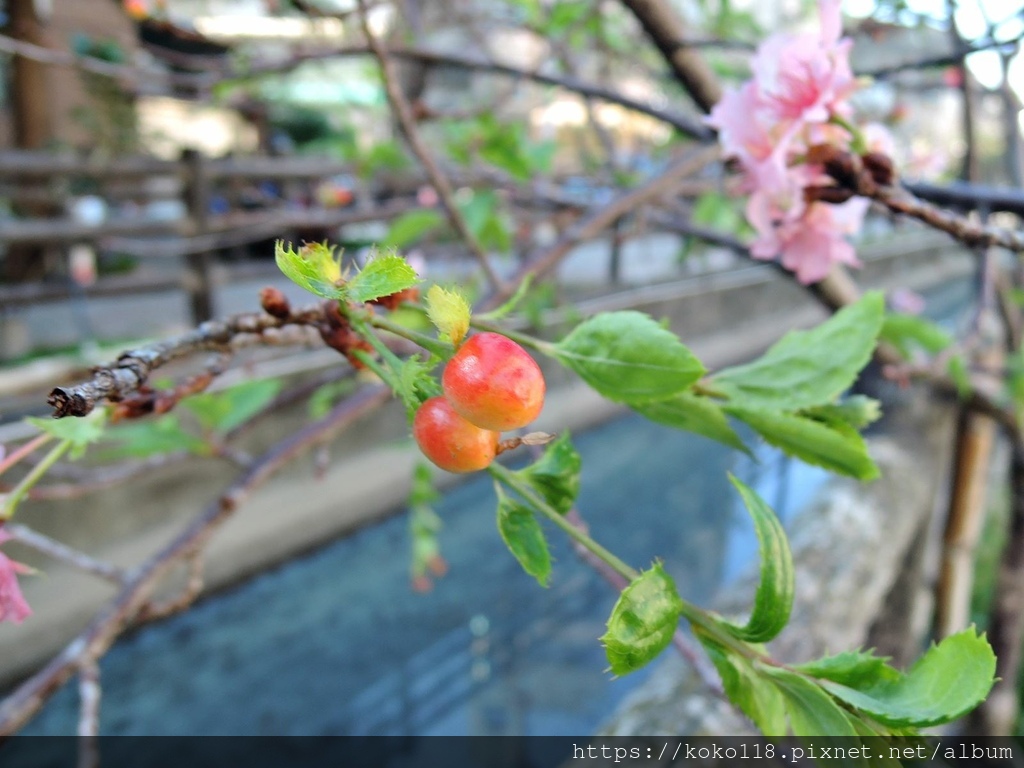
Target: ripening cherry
(494, 383)
(450, 441)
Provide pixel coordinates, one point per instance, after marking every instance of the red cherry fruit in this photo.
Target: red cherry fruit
(450, 441)
(494, 383)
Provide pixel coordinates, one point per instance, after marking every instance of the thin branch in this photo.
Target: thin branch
(685, 124)
(193, 586)
(45, 55)
(967, 196)
(939, 60)
(849, 172)
(95, 479)
(602, 218)
(131, 370)
(24, 450)
(90, 693)
(119, 613)
(682, 643)
(65, 554)
(664, 27)
(403, 112)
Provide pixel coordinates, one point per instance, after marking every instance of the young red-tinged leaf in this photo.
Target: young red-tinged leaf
(808, 368)
(449, 311)
(313, 267)
(643, 621)
(774, 599)
(555, 476)
(383, 275)
(628, 357)
(950, 680)
(524, 537)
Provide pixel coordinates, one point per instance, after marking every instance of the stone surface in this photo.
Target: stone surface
(849, 547)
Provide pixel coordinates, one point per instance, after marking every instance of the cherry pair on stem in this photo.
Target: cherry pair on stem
(490, 385)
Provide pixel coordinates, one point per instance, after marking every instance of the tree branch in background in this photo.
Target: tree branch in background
(123, 609)
(602, 218)
(939, 60)
(65, 554)
(90, 692)
(663, 26)
(403, 112)
(870, 180)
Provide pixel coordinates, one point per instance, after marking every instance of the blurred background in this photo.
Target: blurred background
(152, 152)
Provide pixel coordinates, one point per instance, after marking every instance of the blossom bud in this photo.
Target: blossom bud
(880, 167)
(274, 302)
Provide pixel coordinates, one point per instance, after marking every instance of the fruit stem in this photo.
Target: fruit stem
(442, 349)
(18, 493)
(523, 339)
(701, 620)
(513, 481)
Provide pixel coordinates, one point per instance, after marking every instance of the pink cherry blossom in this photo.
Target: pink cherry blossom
(798, 98)
(13, 606)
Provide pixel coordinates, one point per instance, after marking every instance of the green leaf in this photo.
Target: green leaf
(957, 370)
(383, 275)
(856, 411)
(855, 669)
(415, 383)
(566, 13)
(512, 303)
(836, 447)
(223, 411)
(756, 696)
(449, 312)
(556, 474)
(79, 431)
(693, 413)
(383, 156)
(313, 267)
(812, 712)
(909, 332)
(524, 537)
(774, 599)
(151, 438)
(503, 146)
(321, 401)
(424, 522)
(950, 680)
(486, 220)
(643, 621)
(717, 210)
(808, 368)
(410, 227)
(628, 357)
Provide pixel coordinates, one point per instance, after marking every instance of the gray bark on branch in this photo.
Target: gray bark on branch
(130, 371)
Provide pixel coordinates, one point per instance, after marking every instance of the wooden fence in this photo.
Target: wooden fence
(45, 181)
